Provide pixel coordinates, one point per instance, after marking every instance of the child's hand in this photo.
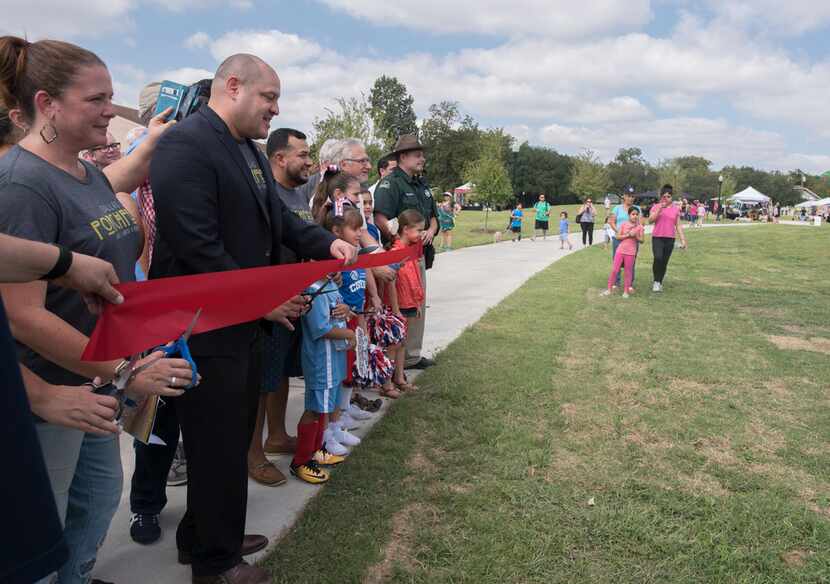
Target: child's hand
(341, 312)
(376, 303)
(351, 339)
(418, 312)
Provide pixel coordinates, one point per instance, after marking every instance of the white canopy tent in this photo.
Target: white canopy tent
(750, 195)
(810, 204)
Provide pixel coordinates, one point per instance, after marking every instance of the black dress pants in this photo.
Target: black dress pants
(217, 420)
(662, 248)
(587, 233)
(148, 489)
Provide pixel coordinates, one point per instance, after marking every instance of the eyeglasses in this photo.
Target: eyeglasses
(358, 160)
(108, 147)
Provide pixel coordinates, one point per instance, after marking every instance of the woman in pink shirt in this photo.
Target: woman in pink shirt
(630, 234)
(666, 219)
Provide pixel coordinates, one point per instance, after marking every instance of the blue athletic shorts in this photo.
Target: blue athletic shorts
(321, 401)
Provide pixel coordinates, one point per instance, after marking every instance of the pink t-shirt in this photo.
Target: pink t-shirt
(666, 220)
(628, 246)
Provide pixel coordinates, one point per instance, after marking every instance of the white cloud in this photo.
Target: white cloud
(185, 75)
(199, 40)
(773, 17)
(275, 47)
(548, 18)
(37, 19)
(677, 101)
(714, 139)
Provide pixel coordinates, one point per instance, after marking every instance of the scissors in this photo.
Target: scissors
(179, 347)
(117, 387)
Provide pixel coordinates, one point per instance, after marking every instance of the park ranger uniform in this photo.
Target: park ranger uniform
(396, 193)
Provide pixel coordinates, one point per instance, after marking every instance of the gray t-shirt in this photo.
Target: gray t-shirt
(587, 215)
(40, 202)
(297, 200)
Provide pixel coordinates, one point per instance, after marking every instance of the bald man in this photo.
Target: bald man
(217, 210)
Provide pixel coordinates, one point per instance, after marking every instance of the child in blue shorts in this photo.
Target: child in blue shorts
(325, 341)
(563, 231)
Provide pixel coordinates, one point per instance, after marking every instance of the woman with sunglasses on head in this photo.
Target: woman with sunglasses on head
(666, 218)
(49, 194)
(587, 214)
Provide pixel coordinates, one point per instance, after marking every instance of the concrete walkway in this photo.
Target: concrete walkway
(463, 285)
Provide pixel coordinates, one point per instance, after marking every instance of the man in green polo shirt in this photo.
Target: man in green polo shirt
(406, 188)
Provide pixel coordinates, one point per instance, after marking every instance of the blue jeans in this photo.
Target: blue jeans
(86, 476)
(615, 243)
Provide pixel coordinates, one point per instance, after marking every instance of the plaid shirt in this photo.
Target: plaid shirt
(148, 215)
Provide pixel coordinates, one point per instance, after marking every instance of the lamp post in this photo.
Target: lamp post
(720, 201)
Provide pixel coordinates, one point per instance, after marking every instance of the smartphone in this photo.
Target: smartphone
(171, 95)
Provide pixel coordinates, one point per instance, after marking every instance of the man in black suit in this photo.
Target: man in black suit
(217, 210)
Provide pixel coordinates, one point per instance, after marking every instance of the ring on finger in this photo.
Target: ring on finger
(173, 381)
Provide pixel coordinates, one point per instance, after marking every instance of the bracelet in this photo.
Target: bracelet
(61, 266)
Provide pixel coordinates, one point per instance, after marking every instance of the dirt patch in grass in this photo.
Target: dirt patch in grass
(779, 389)
(757, 311)
(399, 551)
(796, 558)
(701, 483)
(765, 439)
(717, 283)
(689, 388)
(815, 344)
(568, 411)
(717, 450)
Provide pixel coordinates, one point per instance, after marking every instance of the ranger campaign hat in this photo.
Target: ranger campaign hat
(406, 143)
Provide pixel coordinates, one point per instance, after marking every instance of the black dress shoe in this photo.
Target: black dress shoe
(251, 544)
(240, 574)
(423, 363)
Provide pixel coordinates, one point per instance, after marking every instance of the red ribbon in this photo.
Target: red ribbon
(157, 311)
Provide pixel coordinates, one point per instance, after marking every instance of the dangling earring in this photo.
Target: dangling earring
(49, 127)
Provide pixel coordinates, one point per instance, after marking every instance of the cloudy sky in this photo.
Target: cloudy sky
(739, 82)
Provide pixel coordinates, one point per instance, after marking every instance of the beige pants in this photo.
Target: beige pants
(415, 330)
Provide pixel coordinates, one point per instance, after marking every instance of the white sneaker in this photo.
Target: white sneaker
(356, 413)
(347, 421)
(657, 287)
(346, 438)
(333, 445)
(625, 295)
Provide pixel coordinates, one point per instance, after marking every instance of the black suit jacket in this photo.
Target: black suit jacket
(211, 217)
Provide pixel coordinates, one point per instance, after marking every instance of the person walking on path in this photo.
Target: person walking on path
(447, 211)
(619, 215)
(563, 231)
(542, 218)
(406, 188)
(587, 214)
(631, 233)
(516, 217)
(666, 219)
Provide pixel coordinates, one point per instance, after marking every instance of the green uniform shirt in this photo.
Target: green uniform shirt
(542, 210)
(398, 192)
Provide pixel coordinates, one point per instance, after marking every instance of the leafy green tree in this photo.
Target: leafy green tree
(391, 110)
(452, 141)
(630, 169)
(590, 178)
(670, 172)
(489, 175)
(535, 170)
(350, 118)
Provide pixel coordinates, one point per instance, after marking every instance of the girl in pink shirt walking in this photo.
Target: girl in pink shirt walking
(630, 234)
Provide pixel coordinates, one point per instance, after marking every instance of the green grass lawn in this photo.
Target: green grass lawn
(569, 438)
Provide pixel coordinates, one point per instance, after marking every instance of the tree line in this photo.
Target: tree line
(503, 170)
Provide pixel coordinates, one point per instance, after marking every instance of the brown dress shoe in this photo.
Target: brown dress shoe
(266, 474)
(239, 574)
(251, 544)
